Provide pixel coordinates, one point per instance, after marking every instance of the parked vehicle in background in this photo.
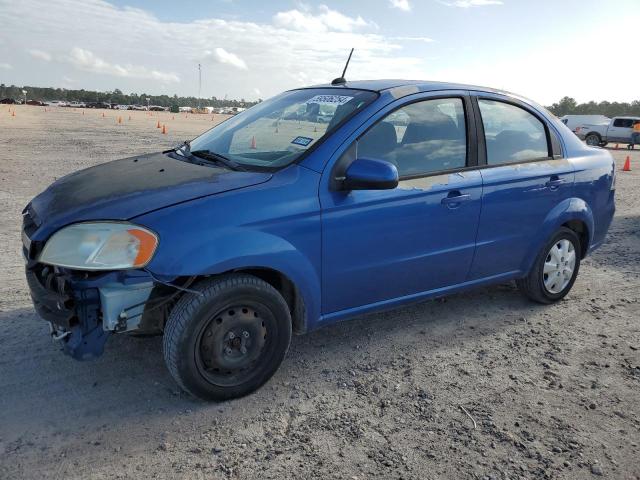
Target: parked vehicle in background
(76, 104)
(575, 121)
(136, 107)
(258, 229)
(56, 103)
(156, 108)
(618, 130)
(36, 103)
(8, 101)
(122, 107)
(98, 105)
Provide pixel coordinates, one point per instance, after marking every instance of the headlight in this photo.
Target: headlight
(100, 246)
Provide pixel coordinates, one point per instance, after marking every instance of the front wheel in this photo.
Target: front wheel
(227, 338)
(555, 269)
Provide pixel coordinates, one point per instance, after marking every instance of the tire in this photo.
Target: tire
(593, 140)
(229, 339)
(604, 144)
(539, 285)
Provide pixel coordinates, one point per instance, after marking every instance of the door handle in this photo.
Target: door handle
(554, 183)
(454, 198)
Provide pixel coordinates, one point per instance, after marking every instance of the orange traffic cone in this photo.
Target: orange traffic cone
(253, 143)
(129, 117)
(119, 120)
(627, 165)
(173, 117)
(83, 112)
(158, 125)
(164, 129)
(13, 114)
(616, 146)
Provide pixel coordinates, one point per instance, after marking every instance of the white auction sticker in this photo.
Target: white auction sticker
(330, 99)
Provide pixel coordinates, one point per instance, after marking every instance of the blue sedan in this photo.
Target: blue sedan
(313, 207)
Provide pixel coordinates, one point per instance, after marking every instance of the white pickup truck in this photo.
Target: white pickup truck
(618, 130)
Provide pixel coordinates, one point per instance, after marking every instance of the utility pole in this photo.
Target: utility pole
(199, 84)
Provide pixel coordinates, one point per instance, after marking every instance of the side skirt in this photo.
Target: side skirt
(384, 305)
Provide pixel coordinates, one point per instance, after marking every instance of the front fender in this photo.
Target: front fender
(274, 225)
(244, 249)
(567, 210)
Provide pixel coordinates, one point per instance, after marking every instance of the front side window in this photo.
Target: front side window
(420, 138)
(278, 131)
(623, 122)
(512, 134)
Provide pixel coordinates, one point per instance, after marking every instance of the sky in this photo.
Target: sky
(543, 49)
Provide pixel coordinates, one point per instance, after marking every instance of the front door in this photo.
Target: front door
(382, 245)
(620, 130)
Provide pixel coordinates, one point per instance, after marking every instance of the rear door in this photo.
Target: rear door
(525, 177)
(385, 245)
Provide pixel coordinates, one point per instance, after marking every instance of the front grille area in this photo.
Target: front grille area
(51, 296)
(30, 223)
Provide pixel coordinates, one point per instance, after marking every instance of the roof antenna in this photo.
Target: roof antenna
(341, 80)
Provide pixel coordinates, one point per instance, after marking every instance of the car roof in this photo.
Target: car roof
(423, 85)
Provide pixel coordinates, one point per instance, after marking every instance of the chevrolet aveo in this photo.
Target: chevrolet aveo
(315, 206)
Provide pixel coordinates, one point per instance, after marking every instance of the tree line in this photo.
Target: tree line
(115, 96)
(568, 106)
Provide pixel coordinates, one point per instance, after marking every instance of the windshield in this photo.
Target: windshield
(278, 131)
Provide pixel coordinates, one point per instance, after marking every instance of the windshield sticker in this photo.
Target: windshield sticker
(302, 141)
(330, 99)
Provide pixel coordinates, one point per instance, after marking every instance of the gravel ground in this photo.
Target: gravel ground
(550, 391)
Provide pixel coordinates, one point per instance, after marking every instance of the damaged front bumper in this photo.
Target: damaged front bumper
(83, 309)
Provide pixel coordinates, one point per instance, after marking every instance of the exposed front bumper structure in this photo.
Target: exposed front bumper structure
(84, 309)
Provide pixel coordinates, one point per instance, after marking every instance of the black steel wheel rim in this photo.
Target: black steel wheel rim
(234, 342)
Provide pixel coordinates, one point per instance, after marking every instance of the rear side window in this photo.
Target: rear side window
(420, 138)
(623, 122)
(512, 134)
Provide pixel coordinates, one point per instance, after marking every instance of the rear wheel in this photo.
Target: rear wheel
(229, 339)
(555, 269)
(593, 140)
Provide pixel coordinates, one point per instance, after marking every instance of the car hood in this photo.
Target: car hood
(126, 188)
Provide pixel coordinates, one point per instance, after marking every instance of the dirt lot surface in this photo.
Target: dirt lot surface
(550, 391)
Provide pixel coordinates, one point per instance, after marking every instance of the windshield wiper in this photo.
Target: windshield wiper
(216, 157)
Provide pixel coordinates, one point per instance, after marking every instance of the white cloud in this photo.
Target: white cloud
(325, 21)
(403, 5)
(108, 47)
(222, 56)
(39, 54)
(89, 62)
(412, 39)
(472, 3)
(6, 66)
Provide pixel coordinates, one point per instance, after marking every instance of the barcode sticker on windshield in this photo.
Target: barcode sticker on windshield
(302, 141)
(330, 99)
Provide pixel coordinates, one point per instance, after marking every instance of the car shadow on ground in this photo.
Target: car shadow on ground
(41, 388)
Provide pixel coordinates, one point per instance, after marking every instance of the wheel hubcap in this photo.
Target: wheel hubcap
(231, 343)
(559, 266)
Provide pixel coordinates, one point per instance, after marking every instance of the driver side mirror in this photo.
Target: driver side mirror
(370, 174)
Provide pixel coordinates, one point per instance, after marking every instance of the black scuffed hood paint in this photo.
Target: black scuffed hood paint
(126, 188)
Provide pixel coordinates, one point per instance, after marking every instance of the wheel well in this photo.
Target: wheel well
(287, 289)
(582, 231)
